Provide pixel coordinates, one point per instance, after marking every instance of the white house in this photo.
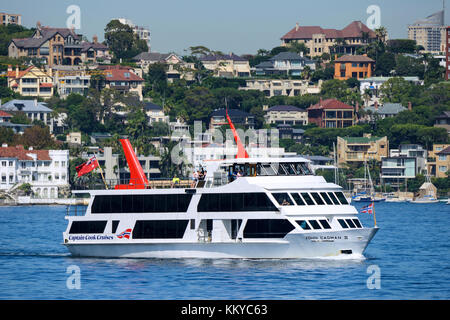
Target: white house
(47, 171)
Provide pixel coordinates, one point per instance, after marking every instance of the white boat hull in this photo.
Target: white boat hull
(349, 243)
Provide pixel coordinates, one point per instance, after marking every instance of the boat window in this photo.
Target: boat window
(325, 224)
(317, 198)
(159, 229)
(308, 199)
(343, 224)
(326, 198)
(283, 199)
(303, 224)
(357, 223)
(267, 228)
(192, 224)
(267, 168)
(87, 227)
(298, 199)
(278, 167)
(333, 197)
(314, 224)
(141, 203)
(115, 224)
(350, 223)
(341, 197)
(220, 202)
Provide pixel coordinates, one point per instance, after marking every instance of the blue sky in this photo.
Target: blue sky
(239, 26)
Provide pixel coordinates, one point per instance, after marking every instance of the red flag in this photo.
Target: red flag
(87, 167)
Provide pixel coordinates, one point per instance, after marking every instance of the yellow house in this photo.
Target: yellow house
(360, 149)
(31, 82)
(439, 160)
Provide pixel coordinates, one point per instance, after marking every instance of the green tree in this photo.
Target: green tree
(122, 41)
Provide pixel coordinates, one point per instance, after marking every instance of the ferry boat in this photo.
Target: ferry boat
(275, 208)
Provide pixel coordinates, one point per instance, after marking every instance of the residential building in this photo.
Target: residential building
(447, 53)
(289, 63)
(387, 110)
(282, 87)
(228, 66)
(320, 162)
(438, 162)
(443, 121)
(33, 109)
(429, 33)
(176, 68)
(155, 113)
(5, 122)
(238, 117)
(286, 115)
(372, 85)
(95, 52)
(349, 66)
(319, 40)
(142, 32)
(123, 79)
(331, 113)
(286, 131)
(10, 18)
(47, 171)
(403, 163)
(74, 138)
(52, 46)
(96, 137)
(115, 168)
(32, 82)
(360, 149)
(70, 79)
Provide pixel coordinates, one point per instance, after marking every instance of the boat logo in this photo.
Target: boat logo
(125, 234)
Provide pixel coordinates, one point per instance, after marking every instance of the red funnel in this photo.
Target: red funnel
(138, 180)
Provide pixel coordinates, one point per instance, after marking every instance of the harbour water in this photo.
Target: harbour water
(409, 258)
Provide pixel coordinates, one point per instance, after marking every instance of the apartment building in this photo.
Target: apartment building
(430, 33)
(227, 66)
(349, 66)
(286, 115)
(438, 163)
(142, 32)
(285, 87)
(47, 171)
(115, 168)
(360, 149)
(331, 113)
(373, 84)
(319, 40)
(403, 163)
(10, 18)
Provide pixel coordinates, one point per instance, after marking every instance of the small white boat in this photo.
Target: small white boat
(425, 199)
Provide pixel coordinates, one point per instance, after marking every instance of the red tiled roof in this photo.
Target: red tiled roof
(330, 104)
(20, 153)
(353, 30)
(4, 114)
(46, 85)
(121, 74)
(12, 74)
(356, 58)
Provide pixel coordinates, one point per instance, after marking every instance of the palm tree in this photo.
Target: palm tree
(381, 34)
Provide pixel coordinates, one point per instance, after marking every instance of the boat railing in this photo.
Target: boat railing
(111, 184)
(76, 210)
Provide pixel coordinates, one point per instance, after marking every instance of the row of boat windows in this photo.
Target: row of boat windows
(211, 202)
(310, 199)
(175, 229)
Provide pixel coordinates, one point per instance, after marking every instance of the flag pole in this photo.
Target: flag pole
(101, 172)
(374, 216)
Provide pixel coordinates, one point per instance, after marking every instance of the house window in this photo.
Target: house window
(442, 157)
(443, 168)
